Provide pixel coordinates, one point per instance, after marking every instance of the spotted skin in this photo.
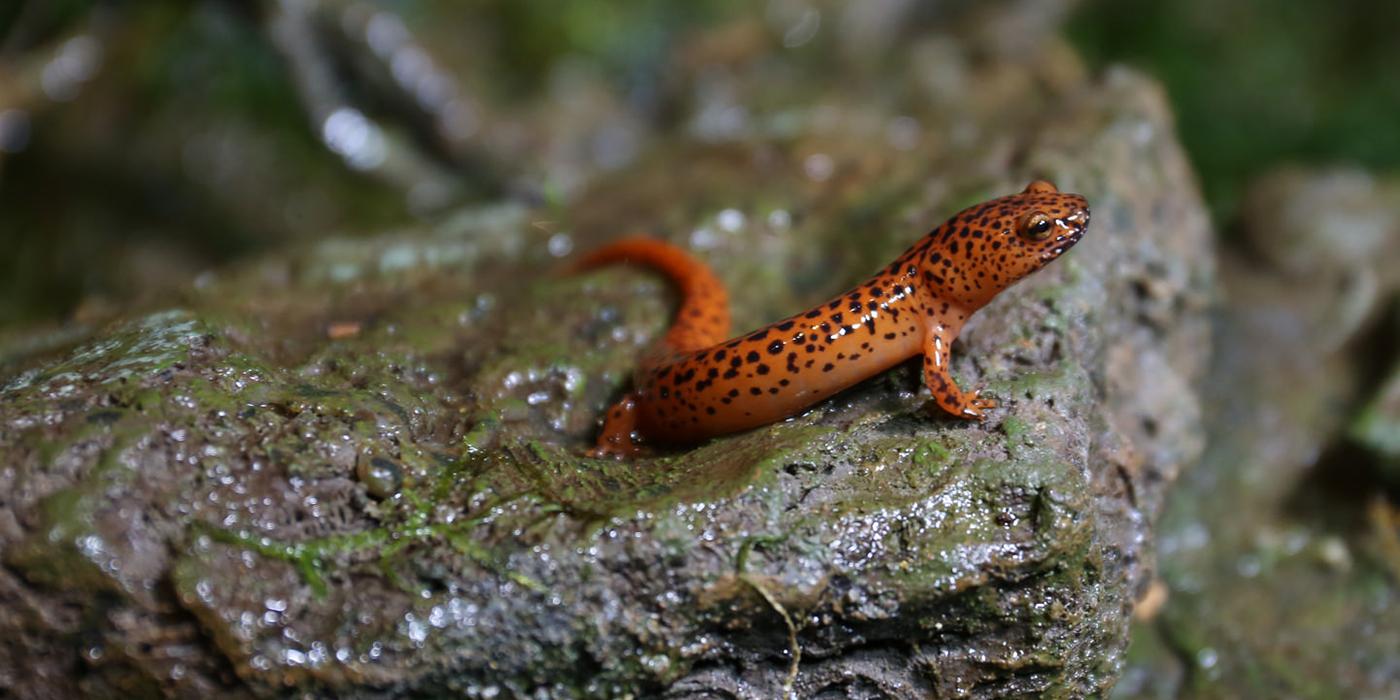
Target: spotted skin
(696, 384)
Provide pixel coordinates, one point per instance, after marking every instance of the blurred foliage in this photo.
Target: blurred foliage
(112, 195)
(194, 143)
(1257, 83)
(630, 40)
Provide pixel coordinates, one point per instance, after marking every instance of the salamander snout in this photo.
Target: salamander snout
(1077, 222)
(1068, 228)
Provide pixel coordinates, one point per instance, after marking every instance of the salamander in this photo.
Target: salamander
(698, 383)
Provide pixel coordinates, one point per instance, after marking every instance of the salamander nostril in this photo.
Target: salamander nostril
(1079, 219)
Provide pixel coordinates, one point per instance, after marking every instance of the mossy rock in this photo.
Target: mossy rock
(355, 469)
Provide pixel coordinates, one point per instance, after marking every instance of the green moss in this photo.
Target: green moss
(929, 455)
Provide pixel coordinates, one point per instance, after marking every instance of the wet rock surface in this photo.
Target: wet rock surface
(1280, 551)
(354, 469)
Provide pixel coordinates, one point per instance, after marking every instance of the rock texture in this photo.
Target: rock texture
(1281, 549)
(354, 469)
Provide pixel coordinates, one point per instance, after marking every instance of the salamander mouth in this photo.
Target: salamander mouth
(1072, 229)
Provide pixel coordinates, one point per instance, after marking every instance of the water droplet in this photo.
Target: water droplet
(560, 244)
(1207, 658)
(730, 220)
(381, 476)
(357, 139)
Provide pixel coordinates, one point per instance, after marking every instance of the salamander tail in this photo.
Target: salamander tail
(703, 317)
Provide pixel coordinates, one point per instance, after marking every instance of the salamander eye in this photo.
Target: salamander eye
(1036, 226)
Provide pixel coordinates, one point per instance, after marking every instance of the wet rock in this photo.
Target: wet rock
(186, 496)
(1284, 513)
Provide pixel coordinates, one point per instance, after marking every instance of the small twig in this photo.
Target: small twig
(794, 649)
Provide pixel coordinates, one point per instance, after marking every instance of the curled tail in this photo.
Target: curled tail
(703, 317)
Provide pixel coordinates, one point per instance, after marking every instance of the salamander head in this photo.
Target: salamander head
(986, 248)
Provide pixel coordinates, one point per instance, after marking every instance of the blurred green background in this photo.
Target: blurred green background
(143, 142)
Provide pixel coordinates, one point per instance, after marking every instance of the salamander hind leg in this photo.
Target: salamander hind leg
(619, 438)
(937, 375)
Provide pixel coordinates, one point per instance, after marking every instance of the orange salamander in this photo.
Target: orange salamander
(698, 384)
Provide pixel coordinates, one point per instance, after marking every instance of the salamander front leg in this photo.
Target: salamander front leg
(620, 439)
(937, 362)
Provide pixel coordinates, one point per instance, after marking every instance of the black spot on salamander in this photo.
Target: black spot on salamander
(731, 373)
(762, 369)
(726, 400)
(700, 356)
(752, 356)
(835, 318)
(813, 313)
(857, 307)
(873, 306)
(775, 347)
(733, 393)
(953, 247)
(828, 367)
(785, 326)
(773, 390)
(719, 356)
(783, 382)
(855, 356)
(877, 292)
(710, 410)
(826, 327)
(736, 361)
(811, 348)
(834, 305)
(714, 372)
(889, 336)
(755, 390)
(760, 335)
